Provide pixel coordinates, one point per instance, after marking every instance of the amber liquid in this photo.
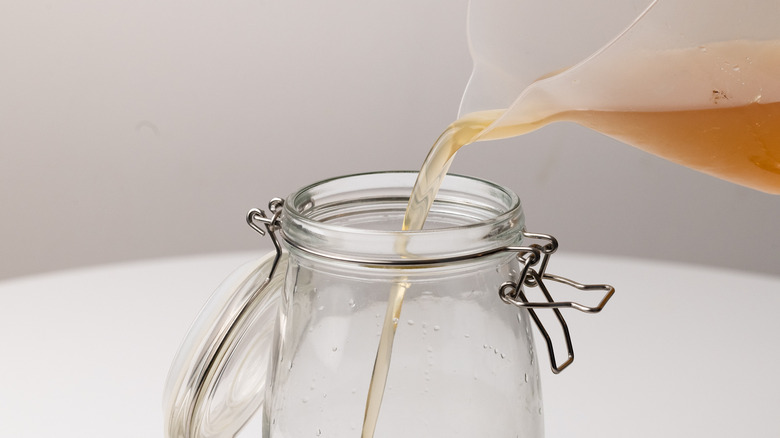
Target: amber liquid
(738, 144)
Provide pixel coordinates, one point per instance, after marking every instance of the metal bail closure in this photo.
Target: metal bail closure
(533, 259)
(271, 225)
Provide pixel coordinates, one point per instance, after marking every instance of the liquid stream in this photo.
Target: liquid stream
(739, 144)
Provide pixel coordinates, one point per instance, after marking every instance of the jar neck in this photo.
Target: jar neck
(359, 217)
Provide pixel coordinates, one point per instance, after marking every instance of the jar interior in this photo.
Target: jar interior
(359, 217)
(380, 202)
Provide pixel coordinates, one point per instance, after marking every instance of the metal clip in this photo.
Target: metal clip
(271, 224)
(530, 256)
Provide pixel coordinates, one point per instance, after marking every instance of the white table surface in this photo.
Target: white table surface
(681, 351)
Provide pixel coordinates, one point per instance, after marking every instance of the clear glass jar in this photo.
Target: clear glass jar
(463, 362)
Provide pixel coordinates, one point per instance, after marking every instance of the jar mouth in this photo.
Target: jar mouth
(359, 218)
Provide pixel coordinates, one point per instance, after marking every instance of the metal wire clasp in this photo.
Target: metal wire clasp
(530, 257)
(257, 217)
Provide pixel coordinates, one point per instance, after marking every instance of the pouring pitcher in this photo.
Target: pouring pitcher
(692, 81)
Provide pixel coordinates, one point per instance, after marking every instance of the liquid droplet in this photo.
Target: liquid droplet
(436, 328)
(410, 322)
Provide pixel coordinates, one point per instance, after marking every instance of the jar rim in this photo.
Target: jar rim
(335, 217)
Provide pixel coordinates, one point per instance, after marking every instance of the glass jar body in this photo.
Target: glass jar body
(462, 361)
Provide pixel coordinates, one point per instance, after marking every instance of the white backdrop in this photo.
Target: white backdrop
(148, 128)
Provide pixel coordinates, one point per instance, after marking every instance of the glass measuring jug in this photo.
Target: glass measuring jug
(463, 361)
(693, 81)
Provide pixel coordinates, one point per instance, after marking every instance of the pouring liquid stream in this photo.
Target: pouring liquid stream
(457, 135)
(740, 144)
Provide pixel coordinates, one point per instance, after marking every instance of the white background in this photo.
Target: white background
(676, 361)
(144, 129)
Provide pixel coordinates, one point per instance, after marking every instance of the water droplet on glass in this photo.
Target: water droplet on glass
(321, 308)
(351, 303)
(410, 322)
(305, 400)
(436, 328)
(335, 349)
(735, 68)
(526, 377)
(319, 432)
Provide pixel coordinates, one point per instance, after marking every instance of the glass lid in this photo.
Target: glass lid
(217, 380)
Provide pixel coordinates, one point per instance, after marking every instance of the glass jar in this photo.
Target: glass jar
(433, 324)
(462, 363)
